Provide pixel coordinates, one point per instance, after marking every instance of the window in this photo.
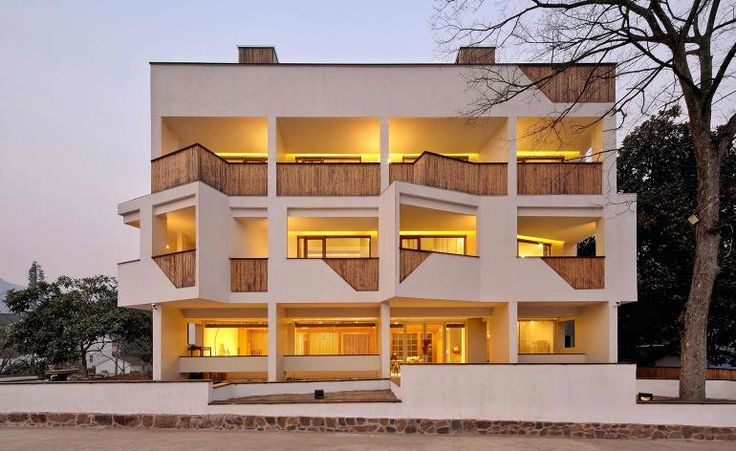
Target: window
(412, 159)
(328, 159)
(528, 248)
(334, 246)
(91, 358)
(536, 336)
(246, 159)
(568, 331)
(233, 339)
(339, 338)
(449, 244)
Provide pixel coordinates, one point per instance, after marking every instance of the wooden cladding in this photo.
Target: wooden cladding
(257, 55)
(359, 273)
(560, 178)
(439, 171)
(197, 163)
(723, 374)
(575, 83)
(328, 179)
(582, 273)
(476, 55)
(248, 275)
(179, 267)
(409, 260)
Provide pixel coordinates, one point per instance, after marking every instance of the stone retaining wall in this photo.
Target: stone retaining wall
(369, 425)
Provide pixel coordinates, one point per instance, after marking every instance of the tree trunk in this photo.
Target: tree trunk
(85, 371)
(694, 317)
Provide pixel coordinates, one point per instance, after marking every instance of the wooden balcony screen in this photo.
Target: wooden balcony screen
(179, 267)
(661, 372)
(359, 273)
(409, 260)
(197, 163)
(439, 171)
(328, 179)
(560, 178)
(248, 275)
(584, 83)
(582, 273)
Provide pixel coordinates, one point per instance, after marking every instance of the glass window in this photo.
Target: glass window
(526, 248)
(334, 247)
(435, 243)
(335, 339)
(536, 336)
(568, 331)
(236, 339)
(328, 159)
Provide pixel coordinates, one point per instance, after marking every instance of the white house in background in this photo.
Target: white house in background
(105, 360)
(312, 221)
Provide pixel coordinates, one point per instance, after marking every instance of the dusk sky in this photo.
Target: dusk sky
(74, 117)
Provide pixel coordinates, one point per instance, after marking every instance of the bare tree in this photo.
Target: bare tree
(667, 52)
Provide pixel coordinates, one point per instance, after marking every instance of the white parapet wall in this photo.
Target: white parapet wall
(230, 391)
(714, 389)
(583, 393)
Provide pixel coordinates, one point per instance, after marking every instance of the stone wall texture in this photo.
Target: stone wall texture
(367, 425)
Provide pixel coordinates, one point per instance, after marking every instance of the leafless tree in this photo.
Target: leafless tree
(667, 52)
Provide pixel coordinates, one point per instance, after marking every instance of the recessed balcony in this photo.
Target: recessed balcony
(174, 245)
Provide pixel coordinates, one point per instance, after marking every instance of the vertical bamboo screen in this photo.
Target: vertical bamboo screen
(674, 373)
(560, 178)
(197, 163)
(582, 273)
(179, 267)
(442, 172)
(248, 275)
(328, 179)
(359, 273)
(579, 83)
(409, 260)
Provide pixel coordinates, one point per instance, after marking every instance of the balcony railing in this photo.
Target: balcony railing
(179, 267)
(439, 171)
(582, 273)
(197, 163)
(359, 273)
(248, 275)
(560, 178)
(328, 179)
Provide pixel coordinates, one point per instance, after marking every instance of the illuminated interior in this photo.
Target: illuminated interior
(333, 337)
(545, 335)
(236, 338)
(541, 236)
(433, 230)
(175, 231)
(542, 140)
(328, 140)
(237, 139)
(428, 341)
(332, 237)
(472, 139)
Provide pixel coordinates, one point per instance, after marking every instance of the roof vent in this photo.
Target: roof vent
(476, 55)
(257, 55)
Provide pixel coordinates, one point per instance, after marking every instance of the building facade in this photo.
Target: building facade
(343, 220)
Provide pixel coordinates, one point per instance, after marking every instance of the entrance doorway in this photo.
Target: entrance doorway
(430, 341)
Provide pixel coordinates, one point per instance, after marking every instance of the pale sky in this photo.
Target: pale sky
(74, 103)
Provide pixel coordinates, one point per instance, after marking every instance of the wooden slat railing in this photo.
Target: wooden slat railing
(179, 267)
(197, 163)
(560, 178)
(582, 273)
(655, 372)
(359, 273)
(581, 83)
(439, 171)
(409, 260)
(328, 179)
(248, 275)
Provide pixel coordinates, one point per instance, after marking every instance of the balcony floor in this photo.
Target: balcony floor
(308, 398)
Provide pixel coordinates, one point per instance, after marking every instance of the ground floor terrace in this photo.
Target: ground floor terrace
(313, 341)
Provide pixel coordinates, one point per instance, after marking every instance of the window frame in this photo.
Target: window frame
(419, 242)
(547, 252)
(301, 250)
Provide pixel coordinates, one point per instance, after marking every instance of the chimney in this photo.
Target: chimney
(476, 55)
(257, 55)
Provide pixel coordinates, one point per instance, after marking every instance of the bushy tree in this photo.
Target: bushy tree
(657, 161)
(60, 321)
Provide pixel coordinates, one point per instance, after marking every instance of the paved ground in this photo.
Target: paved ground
(94, 439)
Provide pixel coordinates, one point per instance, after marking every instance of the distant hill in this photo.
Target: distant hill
(4, 287)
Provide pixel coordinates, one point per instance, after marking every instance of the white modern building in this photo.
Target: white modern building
(323, 221)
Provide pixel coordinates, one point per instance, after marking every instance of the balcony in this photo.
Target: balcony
(560, 178)
(248, 275)
(439, 171)
(179, 267)
(196, 163)
(582, 273)
(224, 364)
(328, 179)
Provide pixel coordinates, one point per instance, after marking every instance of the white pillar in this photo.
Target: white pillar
(384, 154)
(272, 156)
(385, 344)
(156, 345)
(512, 167)
(274, 359)
(513, 332)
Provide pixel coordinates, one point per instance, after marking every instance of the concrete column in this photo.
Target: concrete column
(156, 345)
(607, 128)
(384, 156)
(275, 372)
(272, 156)
(612, 332)
(146, 231)
(512, 155)
(513, 332)
(388, 243)
(385, 339)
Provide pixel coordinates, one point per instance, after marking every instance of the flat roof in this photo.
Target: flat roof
(192, 63)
